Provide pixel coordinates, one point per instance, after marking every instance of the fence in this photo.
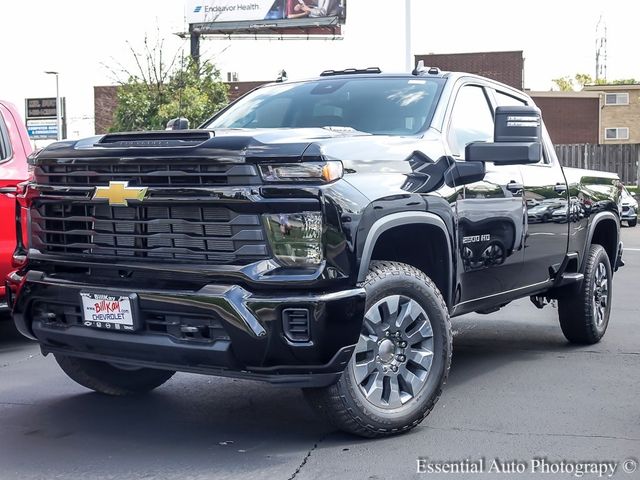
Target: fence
(622, 159)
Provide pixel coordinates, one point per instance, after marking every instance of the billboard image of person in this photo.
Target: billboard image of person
(317, 8)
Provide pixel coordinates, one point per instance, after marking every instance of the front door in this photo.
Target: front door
(548, 209)
(490, 213)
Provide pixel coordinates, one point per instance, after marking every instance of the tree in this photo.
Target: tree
(159, 90)
(565, 84)
(579, 80)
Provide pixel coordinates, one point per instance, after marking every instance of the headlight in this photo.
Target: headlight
(308, 171)
(295, 238)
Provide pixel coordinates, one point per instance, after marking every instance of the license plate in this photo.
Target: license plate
(111, 312)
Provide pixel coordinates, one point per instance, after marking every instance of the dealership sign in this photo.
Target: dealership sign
(42, 129)
(41, 117)
(41, 107)
(242, 15)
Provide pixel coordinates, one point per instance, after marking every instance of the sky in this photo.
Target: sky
(86, 41)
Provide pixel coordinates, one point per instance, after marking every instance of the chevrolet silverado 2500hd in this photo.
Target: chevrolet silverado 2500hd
(314, 233)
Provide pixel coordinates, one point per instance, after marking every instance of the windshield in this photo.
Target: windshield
(380, 106)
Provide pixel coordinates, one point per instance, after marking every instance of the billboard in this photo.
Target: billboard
(263, 16)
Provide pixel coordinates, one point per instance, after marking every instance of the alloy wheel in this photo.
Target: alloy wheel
(600, 294)
(394, 354)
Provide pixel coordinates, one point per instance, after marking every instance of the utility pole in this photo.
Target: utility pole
(407, 38)
(195, 44)
(58, 106)
(601, 50)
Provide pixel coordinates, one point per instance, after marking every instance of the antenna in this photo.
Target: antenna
(601, 50)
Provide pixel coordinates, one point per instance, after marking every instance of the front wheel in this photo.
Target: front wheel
(401, 361)
(112, 379)
(584, 316)
(632, 223)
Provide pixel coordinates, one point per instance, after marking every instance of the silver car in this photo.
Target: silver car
(629, 208)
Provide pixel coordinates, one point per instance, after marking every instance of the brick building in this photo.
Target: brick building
(570, 117)
(505, 67)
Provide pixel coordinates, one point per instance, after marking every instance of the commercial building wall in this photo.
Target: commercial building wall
(505, 67)
(569, 116)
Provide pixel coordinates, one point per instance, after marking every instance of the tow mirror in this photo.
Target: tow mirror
(179, 123)
(517, 138)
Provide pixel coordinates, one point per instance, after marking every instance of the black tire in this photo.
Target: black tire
(347, 404)
(632, 223)
(584, 316)
(111, 380)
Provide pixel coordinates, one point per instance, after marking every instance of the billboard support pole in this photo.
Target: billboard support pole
(195, 46)
(407, 40)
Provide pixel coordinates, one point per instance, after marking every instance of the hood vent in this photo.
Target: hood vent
(156, 139)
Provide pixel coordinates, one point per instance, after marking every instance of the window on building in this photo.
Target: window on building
(616, 99)
(620, 133)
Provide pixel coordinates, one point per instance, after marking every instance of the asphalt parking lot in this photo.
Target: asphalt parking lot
(517, 391)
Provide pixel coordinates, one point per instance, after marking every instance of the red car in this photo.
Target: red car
(14, 149)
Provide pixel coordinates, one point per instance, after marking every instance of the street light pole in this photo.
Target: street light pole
(58, 106)
(407, 38)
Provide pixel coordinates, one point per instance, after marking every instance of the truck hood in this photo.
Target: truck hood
(239, 145)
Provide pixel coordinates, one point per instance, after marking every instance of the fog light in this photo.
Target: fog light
(295, 238)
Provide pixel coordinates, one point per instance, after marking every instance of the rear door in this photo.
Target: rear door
(546, 200)
(490, 212)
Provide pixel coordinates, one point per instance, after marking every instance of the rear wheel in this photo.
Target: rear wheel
(584, 317)
(112, 379)
(401, 361)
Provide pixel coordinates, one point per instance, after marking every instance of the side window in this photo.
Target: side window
(505, 100)
(471, 119)
(5, 148)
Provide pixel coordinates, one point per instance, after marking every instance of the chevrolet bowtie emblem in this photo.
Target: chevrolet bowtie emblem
(119, 193)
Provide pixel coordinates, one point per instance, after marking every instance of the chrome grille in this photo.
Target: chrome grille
(197, 233)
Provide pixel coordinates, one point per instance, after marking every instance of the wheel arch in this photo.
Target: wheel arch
(604, 230)
(382, 240)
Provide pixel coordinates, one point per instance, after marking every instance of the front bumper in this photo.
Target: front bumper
(219, 329)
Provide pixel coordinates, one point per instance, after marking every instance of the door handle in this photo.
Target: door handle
(515, 187)
(560, 187)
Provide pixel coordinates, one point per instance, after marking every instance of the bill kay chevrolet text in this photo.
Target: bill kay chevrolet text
(317, 234)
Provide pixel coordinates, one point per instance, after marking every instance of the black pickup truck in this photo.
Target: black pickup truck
(315, 233)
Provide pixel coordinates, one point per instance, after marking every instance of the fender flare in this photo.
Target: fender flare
(599, 217)
(395, 220)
